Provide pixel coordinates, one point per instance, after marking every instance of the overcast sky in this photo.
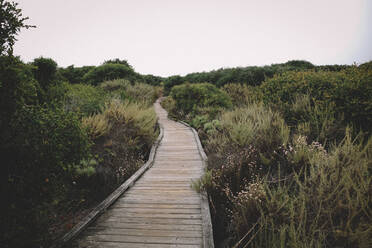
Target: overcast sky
(168, 37)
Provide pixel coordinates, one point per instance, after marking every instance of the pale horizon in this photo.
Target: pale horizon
(177, 37)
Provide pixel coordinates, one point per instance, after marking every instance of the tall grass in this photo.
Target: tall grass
(122, 136)
(84, 99)
(243, 95)
(142, 117)
(96, 125)
(255, 125)
(144, 94)
(329, 206)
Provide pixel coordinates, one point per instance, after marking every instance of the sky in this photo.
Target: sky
(176, 37)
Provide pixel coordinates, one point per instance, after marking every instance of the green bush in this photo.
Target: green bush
(115, 85)
(74, 75)
(189, 97)
(17, 88)
(107, 72)
(84, 99)
(329, 207)
(45, 71)
(170, 82)
(134, 92)
(349, 92)
(243, 95)
(44, 143)
(140, 92)
(317, 122)
(254, 125)
(122, 135)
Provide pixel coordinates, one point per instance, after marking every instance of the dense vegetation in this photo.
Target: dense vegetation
(65, 146)
(251, 75)
(289, 145)
(69, 137)
(290, 161)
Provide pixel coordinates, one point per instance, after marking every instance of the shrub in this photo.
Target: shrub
(84, 99)
(243, 95)
(188, 97)
(114, 85)
(254, 125)
(17, 88)
(45, 71)
(170, 82)
(300, 64)
(44, 143)
(144, 119)
(326, 208)
(348, 91)
(317, 122)
(140, 92)
(96, 125)
(136, 92)
(122, 135)
(74, 75)
(107, 72)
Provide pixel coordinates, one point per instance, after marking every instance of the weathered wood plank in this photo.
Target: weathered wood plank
(96, 244)
(160, 201)
(157, 206)
(155, 223)
(147, 240)
(143, 232)
(158, 210)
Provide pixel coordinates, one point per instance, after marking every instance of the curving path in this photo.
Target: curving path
(161, 209)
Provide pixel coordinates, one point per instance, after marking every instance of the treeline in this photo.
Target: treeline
(108, 70)
(289, 159)
(251, 75)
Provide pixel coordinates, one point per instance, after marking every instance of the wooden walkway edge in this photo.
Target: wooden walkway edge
(157, 208)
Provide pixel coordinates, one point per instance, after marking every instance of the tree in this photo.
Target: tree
(108, 72)
(118, 61)
(45, 71)
(11, 22)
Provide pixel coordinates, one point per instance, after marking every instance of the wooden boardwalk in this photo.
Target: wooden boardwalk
(160, 210)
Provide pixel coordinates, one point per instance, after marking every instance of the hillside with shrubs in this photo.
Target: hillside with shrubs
(289, 145)
(66, 145)
(289, 152)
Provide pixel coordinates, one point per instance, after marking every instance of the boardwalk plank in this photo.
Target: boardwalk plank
(142, 240)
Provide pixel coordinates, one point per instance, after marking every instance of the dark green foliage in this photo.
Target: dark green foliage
(188, 97)
(118, 61)
(300, 64)
(366, 66)
(152, 80)
(251, 75)
(348, 91)
(43, 143)
(45, 72)
(11, 22)
(108, 72)
(170, 82)
(84, 99)
(243, 95)
(74, 75)
(331, 67)
(17, 88)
